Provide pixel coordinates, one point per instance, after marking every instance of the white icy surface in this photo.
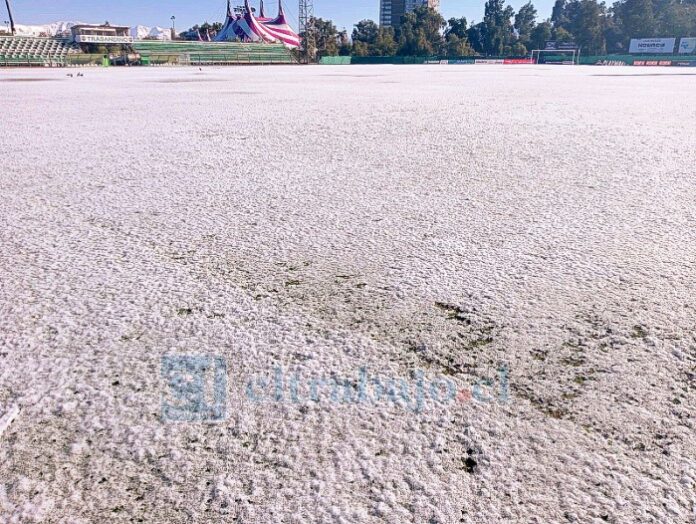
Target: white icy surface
(313, 219)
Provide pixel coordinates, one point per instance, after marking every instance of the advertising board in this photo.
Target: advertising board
(652, 45)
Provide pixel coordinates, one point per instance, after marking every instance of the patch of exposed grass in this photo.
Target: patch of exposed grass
(639, 332)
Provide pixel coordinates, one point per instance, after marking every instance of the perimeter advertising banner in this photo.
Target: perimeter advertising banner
(652, 63)
(652, 46)
(514, 61)
(687, 46)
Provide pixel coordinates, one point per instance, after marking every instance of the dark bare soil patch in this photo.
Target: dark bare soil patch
(28, 79)
(188, 80)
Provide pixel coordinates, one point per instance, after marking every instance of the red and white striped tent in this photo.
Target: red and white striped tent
(250, 28)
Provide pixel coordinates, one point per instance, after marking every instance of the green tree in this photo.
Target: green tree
(344, 45)
(562, 35)
(457, 39)
(558, 14)
(457, 26)
(369, 39)
(498, 29)
(456, 46)
(587, 22)
(613, 36)
(385, 44)
(677, 19)
(475, 36)
(420, 33)
(525, 22)
(635, 19)
(213, 28)
(540, 35)
(327, 38)
(365, 32)
(360, 49)
(519, 49)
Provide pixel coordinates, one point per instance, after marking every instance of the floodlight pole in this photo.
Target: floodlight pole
(307, 29)
(13, 30)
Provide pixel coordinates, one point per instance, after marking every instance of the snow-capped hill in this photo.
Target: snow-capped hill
(160, 33)
(141, 32)
(53, 29)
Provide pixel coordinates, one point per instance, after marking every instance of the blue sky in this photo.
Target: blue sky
(344, 13)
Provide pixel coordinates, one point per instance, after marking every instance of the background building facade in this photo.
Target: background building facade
(391, 11)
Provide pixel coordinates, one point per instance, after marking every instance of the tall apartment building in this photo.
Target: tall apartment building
(391, 11)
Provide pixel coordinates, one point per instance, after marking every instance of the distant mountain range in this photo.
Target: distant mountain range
(47, 29)
(139, 32)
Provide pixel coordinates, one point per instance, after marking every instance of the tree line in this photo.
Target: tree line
(593, 26)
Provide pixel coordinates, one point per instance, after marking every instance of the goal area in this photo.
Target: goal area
(556, 56)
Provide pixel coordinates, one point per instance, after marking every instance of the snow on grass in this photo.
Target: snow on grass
(449, 220)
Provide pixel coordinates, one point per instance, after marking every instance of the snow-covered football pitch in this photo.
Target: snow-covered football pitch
(428, 294)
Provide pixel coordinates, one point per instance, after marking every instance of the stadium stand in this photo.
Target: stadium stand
(204, 53)
(35, 51)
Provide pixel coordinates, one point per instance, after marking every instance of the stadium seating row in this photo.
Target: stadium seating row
(31, 51)
(203, 53)
(37, 47)
(19, 50)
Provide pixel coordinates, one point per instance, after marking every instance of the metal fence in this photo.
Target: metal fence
(677, 60)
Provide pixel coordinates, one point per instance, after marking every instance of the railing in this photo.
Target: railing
(680, 60)
(23, 60)
(83, 59)
(201, 59)
(238, 59)
(64, 60)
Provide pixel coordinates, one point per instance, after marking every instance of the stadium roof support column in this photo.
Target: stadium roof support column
(9, 12)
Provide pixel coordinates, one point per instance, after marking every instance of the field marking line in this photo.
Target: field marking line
(8, 418)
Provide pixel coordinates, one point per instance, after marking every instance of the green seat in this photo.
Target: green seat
(204, 53)
(35, 51)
